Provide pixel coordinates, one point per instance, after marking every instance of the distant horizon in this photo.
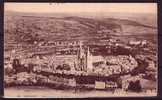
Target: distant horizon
(98, 8)
(8, 11)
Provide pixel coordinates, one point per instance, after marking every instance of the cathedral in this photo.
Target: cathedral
(84, 58)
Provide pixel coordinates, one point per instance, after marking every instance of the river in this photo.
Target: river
(44, 92)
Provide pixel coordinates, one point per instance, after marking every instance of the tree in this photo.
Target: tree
(135, 86)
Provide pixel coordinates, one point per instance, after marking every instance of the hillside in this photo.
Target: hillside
(26, 27)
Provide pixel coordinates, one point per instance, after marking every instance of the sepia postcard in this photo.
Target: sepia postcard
(80, 50)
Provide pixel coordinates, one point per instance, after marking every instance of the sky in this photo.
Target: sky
(82, 7)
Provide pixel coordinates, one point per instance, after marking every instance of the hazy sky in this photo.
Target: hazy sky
(82, 7)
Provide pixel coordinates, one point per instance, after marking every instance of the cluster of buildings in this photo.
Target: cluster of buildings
(60, 43)
(84, 60)
(82, 63)
(142, 43)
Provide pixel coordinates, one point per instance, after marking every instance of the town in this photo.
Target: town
(75, 53)
(102, 66)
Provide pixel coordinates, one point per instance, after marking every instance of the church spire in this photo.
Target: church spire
(89, 60)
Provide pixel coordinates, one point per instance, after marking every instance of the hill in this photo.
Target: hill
(25, 27)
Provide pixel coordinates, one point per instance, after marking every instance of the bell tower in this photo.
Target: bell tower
(81, 57)
(89, 60)
(84, 59)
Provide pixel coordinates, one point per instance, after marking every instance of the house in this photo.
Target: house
(134, 42)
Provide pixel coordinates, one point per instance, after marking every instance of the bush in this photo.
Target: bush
(135, 86)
